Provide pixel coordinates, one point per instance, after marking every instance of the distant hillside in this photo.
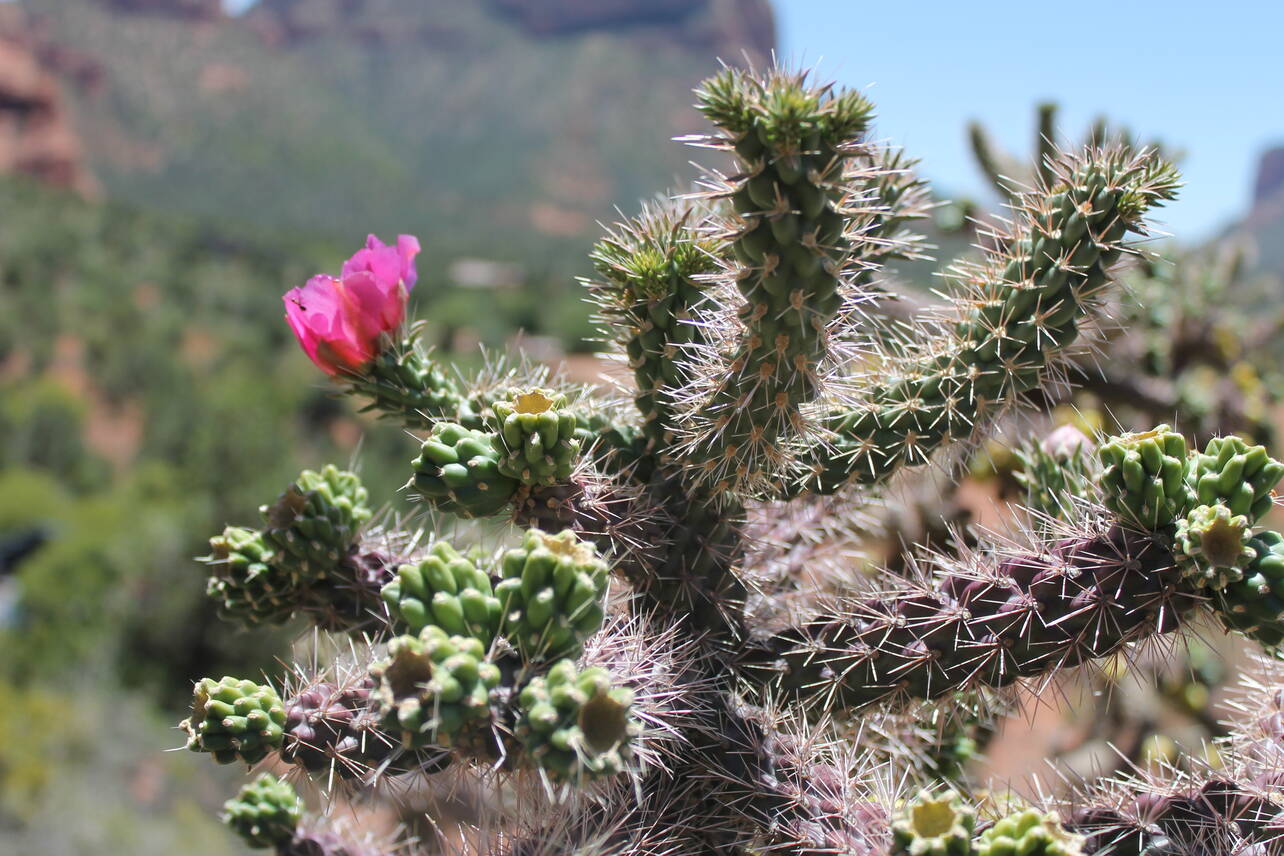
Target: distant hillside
(494, 128)
(1264, 223)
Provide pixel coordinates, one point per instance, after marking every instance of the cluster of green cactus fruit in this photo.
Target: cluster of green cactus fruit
(235, 720)
(1208, 503)
(446, 590)
(265, 813)
(935, 825)
(302, 560)
(530, 439)
(245, 583)
(458, 471)
(758, 381)
(432, 686)
(551, 594)
(314, 524)
(575, 724)
(942, 825)
(1028, 833)
(539, 437)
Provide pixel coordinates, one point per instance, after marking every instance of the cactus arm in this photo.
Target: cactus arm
(1023, 616)
(789, 240)
(1024, 307)
(653, 271)
(998, 168)
(1045, 144)
(405, 384)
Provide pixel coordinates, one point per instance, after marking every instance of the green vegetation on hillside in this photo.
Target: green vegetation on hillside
(444, 119)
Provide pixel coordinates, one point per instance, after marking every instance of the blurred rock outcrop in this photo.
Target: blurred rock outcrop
(1270, 175)
(1263, 225)
(736, 24)
(206, 10)
(36, 133)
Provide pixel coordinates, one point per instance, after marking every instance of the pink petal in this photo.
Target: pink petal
(372, 306)
(408, 247)
(388, 264)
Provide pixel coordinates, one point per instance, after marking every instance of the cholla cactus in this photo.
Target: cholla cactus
(629, 664)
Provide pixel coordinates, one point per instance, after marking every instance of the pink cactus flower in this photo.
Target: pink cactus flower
(341, 322)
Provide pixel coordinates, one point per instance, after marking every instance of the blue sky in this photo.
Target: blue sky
(1207, 77)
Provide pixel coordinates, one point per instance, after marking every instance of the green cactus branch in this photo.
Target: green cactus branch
(1018, 311)
(789, 237)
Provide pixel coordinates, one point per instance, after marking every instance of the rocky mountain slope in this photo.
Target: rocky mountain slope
(503, 129)
(1264, 223)
(37, 136)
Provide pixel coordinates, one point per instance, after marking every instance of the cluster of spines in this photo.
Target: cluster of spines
(1078, 600)
(332, 729)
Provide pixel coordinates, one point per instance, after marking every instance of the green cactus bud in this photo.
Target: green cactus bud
(234, 719)
(1058, 471)
(315, 523)
(250, 589)
(553, 594)
(1235, 474)
(939, 825)
(575, 725)
(434, 686)
(1254, 604)
(538, 437)
(1144, 477)
(458, 471)
(444, 589)
(1212, 546)
(265, 813)
(1028, 833)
